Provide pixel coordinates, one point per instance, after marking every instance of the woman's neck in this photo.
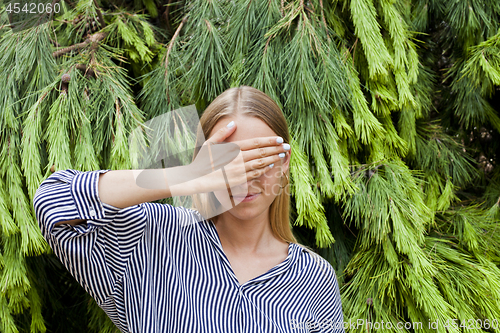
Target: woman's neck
(245, 237)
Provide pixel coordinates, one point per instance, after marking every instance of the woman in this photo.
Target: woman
(158, 268)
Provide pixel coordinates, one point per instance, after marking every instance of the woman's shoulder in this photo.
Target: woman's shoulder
(310, 252)
(180, 215)
(317, 261)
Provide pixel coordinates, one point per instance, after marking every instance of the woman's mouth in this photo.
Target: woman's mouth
(249, 197)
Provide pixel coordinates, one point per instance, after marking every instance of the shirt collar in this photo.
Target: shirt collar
(294, 252)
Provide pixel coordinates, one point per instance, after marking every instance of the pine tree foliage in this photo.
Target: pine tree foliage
(391, 265)
(393, 112)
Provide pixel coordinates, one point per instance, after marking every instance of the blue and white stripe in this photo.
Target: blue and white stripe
(151, 269)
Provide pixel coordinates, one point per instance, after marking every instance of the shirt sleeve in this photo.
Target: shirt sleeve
(96, 252)
(328, 309)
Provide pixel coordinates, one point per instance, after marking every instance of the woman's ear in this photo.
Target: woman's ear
(286, 162)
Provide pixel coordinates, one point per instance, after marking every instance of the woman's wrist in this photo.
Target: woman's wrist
(182, 181)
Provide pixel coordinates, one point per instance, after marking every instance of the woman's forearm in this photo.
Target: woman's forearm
(124, 188)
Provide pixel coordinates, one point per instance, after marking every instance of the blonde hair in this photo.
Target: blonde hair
(248, 101)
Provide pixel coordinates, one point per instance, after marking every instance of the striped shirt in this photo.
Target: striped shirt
(151, 269)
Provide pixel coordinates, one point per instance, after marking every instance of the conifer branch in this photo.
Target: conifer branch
(64, 83)
(89, 72)
(267, 44)
(172, 41)
(354, 49)
(96, 38)
(167, 11)
(313, 10)
(99, 14)
(323, 19)
(56, 44)
(93, 40)
(118, 115)
(70, 48)
(208, 25)
(71, 22)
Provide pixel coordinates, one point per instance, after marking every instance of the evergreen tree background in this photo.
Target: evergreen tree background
(393, 110)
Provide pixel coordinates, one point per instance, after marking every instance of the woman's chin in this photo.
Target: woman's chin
(242, 210)
(244, 214)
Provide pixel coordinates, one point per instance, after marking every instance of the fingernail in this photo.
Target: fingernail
(231, 124)
(286, 146)
(279, 140)
(281, 155)
(271, 165)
